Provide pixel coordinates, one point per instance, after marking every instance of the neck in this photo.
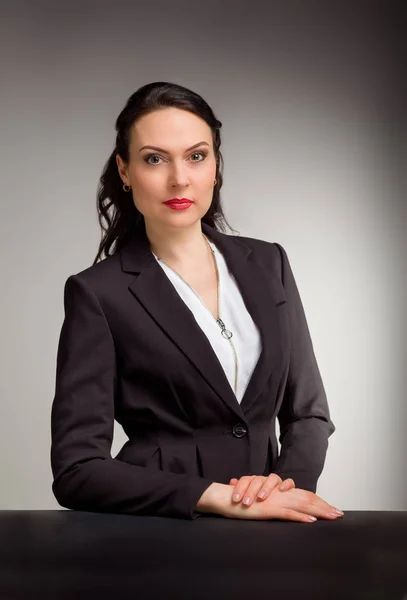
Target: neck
(178, 245)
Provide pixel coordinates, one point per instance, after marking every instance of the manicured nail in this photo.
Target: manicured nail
(262, 494)
(236, 497)
(339, 512)
(246, 500)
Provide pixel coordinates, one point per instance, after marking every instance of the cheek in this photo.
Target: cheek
(143, 179)
(205, 176)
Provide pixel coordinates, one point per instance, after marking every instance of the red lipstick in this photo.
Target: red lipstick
(178, 203)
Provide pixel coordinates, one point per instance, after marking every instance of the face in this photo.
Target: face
(174, 171)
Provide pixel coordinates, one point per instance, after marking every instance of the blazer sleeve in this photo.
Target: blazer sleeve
(304, 417)
(85, 476)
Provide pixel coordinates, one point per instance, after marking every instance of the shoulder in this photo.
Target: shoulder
(100, 269)
(100, 277)
(273, 254)
(259, 245)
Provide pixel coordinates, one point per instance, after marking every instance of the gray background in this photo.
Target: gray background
(311, 99)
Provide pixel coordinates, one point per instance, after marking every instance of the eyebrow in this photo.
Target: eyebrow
(166, 151)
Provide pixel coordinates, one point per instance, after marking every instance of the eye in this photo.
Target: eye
(196, 153)
(147, 158)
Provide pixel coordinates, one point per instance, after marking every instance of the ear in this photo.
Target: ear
(121, 168)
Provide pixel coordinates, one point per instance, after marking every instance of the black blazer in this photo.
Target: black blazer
(130, 349)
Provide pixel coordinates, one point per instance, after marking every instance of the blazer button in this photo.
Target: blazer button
(239, 430)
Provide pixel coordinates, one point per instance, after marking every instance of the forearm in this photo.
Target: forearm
(304, 445)
(111, 485)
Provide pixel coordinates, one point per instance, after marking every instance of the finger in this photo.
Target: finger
(310, 504)
(233, 481)
(271, 482)
(253, 489)
(240, 491)
(287, 514)
(325, 507)
(320, 513)
(266, 489)
(287, 485)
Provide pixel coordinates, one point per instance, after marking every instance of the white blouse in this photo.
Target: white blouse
(236, 318)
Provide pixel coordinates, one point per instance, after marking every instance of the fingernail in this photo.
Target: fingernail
(236, 497)
(262, 494)
(339, 512)
(246, 500)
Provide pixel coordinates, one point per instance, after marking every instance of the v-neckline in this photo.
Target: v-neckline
(193, 290)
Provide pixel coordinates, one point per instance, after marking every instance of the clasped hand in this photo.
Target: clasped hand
(301, 506)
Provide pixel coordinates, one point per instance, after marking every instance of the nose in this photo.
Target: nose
(179, 175)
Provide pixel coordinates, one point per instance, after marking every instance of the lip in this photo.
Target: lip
(178, 201)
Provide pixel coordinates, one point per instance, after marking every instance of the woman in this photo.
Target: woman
(195, 341)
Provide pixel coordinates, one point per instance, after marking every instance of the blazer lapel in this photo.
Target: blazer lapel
(261, 294)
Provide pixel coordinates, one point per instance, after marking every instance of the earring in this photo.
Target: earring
(126, 186)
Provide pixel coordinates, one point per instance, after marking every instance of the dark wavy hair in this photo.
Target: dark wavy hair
(114, 205)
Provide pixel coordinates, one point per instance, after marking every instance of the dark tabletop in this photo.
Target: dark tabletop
(63, 554)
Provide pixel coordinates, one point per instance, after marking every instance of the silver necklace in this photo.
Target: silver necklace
(224, 332)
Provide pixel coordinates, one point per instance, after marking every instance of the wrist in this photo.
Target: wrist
(214, 499)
